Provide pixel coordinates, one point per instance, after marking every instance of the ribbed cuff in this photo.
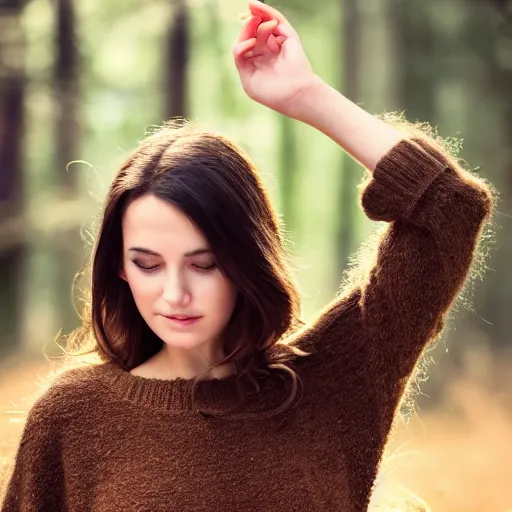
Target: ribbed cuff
(400, 179)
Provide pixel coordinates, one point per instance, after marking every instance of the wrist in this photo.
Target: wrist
(307, 104)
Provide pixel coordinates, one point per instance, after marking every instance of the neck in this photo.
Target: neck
(171, 363)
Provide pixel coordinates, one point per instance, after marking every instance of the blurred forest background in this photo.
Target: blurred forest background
(81, 81)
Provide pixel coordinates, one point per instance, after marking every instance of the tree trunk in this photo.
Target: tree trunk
(177, 43)
(66, 94)
(495, 142)
(12, 240)
(67, 246)
(415, 50)
(289, 175)
(350, 171)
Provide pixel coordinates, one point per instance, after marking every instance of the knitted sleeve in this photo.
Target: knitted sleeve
(437, 211)
(373, 338)
(37, 483)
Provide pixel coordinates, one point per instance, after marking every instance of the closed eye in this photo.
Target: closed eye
(209, 267)
(142, 267)
(153, 267)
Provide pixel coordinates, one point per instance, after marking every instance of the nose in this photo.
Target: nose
(175, 290)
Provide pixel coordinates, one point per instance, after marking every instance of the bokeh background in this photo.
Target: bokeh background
(80, 82)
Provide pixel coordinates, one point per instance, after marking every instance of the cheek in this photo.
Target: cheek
(141, 287)
(220, 293)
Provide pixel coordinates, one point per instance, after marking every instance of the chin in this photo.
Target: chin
(181, 340)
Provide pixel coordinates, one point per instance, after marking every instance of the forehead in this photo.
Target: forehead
(156, 224)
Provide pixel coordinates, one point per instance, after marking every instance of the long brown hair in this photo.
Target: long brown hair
(215, 184)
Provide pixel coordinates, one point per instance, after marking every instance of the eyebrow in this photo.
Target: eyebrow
(152, 253)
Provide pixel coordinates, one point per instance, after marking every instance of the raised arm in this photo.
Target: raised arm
(435, 210)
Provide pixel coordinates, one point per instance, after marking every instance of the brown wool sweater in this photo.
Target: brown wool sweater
(101, 439)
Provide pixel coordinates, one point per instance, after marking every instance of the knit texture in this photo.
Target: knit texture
(102, 439)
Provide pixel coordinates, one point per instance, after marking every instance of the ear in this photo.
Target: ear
(122, 274)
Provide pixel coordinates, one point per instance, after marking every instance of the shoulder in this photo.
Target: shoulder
(65, 395)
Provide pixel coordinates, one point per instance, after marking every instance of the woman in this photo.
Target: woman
(211, 394)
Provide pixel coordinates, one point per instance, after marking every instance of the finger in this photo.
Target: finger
(280, 40)
(265, 11)
(264, 30)
(240, 51)
(285, 29)
(249, 28)
(272, 44)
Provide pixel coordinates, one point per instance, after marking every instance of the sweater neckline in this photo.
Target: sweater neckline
(217, 394)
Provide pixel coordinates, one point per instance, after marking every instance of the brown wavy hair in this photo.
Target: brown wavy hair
(216, 185)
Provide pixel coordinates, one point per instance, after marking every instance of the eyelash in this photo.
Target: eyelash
(150, 269)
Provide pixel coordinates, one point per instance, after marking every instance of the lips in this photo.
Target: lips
(182, 317)
(182, 321)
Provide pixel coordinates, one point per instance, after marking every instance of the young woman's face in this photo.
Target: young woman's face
(171, 273)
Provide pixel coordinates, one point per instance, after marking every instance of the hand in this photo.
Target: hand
(271, 62)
